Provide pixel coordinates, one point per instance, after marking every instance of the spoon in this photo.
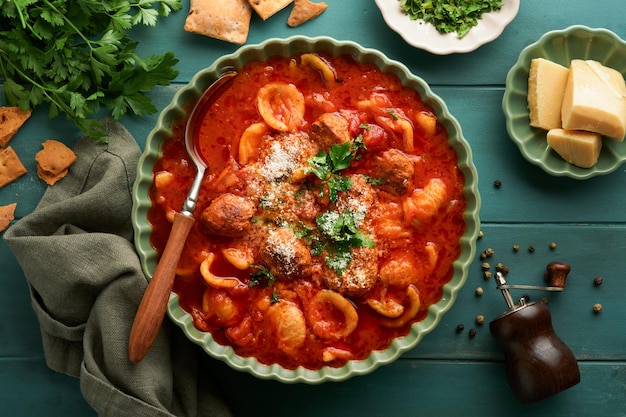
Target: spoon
(154, 302)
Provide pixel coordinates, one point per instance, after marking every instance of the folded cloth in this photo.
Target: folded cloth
(86, 283)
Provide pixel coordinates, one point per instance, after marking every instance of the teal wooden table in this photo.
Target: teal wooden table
(449, 373)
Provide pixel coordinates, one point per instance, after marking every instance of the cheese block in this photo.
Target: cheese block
(594, 100)
(546, 84)
(577, 147)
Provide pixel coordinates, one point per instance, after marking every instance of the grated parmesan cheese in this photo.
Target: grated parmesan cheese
(282, 160)
(284, 252)
(329, 220)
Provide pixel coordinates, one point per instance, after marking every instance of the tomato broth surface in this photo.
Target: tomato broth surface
(330, 216)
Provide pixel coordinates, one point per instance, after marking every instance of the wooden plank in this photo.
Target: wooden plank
(404, 388)
(362, 22)
(590, 250)
(527, 194)
(30, 389)
(448, 373)
(19, 329)
(436, 388)
(585, 248)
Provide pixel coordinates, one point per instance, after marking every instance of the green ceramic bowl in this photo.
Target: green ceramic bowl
(561, 46)
(286, 47)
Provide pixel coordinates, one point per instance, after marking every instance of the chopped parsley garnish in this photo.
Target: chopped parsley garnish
(449, 16)
(326, 167)
(339, 233)
(301, 230)
(265, 202)
(373, 181)
(261, 275)
(274, 298)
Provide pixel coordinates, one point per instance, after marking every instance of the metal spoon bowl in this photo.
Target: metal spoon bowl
(153, 305)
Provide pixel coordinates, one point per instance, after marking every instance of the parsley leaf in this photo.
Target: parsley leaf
(78, 57)
(326, 167)
(261, 275)
(339, 234)
(449, 16)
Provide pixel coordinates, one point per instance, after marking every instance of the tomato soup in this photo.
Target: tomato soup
(330, 216)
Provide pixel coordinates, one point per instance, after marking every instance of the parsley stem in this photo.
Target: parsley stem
(25, 23)
(71, 25)
(44, 90)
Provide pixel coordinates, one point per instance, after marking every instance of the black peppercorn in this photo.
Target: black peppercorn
(497, 183)
(459, 328)
(472, 332)
(597, 281)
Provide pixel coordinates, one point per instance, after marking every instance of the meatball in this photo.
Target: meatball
(330, 129)
(359, 198)
(285, 255)
(359, 277)
(395, 169)
(228, 215)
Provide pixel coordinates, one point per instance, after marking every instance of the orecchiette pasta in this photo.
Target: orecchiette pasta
(281, 105)
(289, 325)
(250, 141)
(316, 62)
(323, 326)
(212, 279)
(414, 304)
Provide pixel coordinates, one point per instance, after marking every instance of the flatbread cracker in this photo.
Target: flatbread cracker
(11, 119)
(227, 20)
(267, 8)
(305, 10)
(53, 161)
(11, 168)
(7, 214)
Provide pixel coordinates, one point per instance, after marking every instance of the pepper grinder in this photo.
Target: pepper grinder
(538, 363)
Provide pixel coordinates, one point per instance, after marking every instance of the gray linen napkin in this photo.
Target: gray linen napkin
(86, 283)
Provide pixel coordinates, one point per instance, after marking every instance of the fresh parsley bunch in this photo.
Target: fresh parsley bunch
(448, 16)
(77, 56)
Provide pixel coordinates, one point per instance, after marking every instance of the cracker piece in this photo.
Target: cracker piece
(305, 10)
(7, 214)
(227, 20)
(11, 119)
(267, 8)
(53, 161)
(50, 178)
(11, 168)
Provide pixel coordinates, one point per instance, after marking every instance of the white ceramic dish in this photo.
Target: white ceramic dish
(424, 35)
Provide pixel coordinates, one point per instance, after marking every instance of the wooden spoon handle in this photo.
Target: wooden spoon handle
(154, 302)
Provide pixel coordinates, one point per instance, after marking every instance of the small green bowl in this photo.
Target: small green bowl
(561, 46)
(175, 111)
